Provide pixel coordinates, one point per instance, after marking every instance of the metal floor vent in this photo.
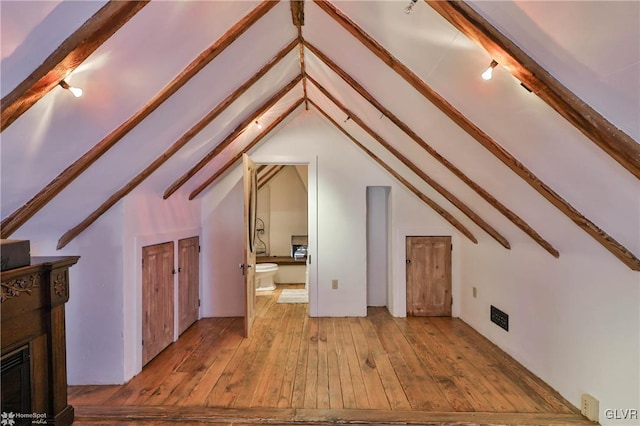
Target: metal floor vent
(500, 318)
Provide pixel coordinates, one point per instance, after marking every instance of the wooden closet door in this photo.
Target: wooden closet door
(429, 276)
(188, 282)
(157, 299)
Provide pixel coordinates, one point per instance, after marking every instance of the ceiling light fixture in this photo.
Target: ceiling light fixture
(76, 91)
(488, 74)
(409, 8)
(258, 125)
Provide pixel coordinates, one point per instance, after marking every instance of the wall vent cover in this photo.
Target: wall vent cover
(500, 318)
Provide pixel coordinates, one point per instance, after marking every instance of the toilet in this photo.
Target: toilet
(264, 276)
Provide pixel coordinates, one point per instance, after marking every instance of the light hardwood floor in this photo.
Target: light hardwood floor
(296, 369)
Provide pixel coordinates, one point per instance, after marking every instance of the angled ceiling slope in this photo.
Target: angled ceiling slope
(71, 53)
(613, 142)
(592, 124)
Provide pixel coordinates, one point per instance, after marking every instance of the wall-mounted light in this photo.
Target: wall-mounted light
(76, 91)
(258, 125)
(409, 8)
(488, 74)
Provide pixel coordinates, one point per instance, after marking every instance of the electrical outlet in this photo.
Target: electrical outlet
(334, 284)
(475, 292)
(590, 407)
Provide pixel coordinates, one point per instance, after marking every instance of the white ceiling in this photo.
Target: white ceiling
(162, 39)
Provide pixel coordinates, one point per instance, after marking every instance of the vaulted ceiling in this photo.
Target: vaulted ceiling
(174, 92)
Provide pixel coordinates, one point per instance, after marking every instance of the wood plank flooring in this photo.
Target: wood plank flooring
(301, 370)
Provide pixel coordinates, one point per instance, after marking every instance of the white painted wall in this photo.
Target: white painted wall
(573, 321)
(337, 214)
(222, 245)
(94, 313)
(288, 210)
(149, 220)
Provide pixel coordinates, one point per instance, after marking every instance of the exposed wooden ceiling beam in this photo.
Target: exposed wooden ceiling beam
(415, 169)
(66, 58)
(297, 12)
(231, 137)
(428, 201)
(297, 16)
(173, 149)
(624, 149)
(515, 219)
(16, 219)
(269, 168)
(204, 185)
(608, 242)
(267, 178)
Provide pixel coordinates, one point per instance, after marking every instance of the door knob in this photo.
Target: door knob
(408, 261)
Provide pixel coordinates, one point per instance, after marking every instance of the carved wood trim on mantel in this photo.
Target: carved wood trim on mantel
(19, 286)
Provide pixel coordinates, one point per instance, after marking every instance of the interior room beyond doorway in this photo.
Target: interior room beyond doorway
(282, 230)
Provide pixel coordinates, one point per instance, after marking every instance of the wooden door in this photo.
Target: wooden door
(188, 282)
(429, 276)
(157, 299)
(248, 267)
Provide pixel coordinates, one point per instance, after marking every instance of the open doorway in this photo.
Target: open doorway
(378, 245)
(282, 232)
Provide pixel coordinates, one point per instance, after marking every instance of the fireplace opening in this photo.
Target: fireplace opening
(16, 387)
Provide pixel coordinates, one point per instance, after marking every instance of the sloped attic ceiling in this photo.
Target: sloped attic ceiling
(134, 67)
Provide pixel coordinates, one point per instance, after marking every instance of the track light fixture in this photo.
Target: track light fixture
(488, 74)
(258, 125)
(76, 91)
(409, 8)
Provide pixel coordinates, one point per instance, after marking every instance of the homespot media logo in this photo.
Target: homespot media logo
(10, 419)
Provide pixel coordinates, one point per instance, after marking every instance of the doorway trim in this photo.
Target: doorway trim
(132, 294)
(312, 214)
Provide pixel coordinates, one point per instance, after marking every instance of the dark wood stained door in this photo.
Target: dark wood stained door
(157, 299)
(429, 276)
(188, 282)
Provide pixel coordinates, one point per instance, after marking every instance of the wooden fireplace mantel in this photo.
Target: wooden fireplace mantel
(33, 319)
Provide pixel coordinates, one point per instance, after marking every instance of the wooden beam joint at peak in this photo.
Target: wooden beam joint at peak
(624, 149)
(297, 12)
